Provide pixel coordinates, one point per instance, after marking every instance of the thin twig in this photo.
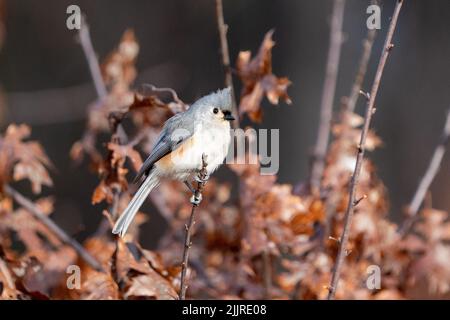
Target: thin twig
(118, 133)
(170, 90)
(342, 252)
(61, 234)
(329, 88)
(362, 69)
(86, 44)
(427, 179)
(349, 106)
(223, 29)
(187, 240)
(84, 38)
(94, 67)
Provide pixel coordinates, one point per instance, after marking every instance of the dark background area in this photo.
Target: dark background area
(46, 82)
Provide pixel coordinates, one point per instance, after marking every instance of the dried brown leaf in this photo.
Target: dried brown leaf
(259, 81)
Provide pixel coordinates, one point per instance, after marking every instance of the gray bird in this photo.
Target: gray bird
(203, 129)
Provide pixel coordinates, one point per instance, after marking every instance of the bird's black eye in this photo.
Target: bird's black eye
(215, 110)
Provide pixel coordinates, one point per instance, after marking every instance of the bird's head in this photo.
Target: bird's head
(215, 107)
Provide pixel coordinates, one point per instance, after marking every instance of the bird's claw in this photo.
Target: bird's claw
(196, 199)
(201, 179)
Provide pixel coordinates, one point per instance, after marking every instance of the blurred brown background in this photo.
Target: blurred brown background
(46, 83)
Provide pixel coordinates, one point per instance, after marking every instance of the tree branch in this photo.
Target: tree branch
(187, 240)
(118, 133)
(362, 69)
(427, 179)
(223, 29)
(342, 252)
(61, 234)
(88, 49)
(349, 105)
(329, 87)
(169, 90)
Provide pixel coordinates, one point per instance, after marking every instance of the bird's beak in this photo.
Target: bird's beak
(228, 116)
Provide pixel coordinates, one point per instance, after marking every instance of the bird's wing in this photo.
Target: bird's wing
(167, 142)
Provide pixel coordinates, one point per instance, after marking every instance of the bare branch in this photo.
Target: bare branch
(223, 28)
(432, 169)
(170, 90)
(187, 240)
(61, 234)
(118, 133)
(362, 69)
(86, 44)
(342, 252)
(349, 106)
(365, 94)
(357, 201)
(427, 179)
(329, 87)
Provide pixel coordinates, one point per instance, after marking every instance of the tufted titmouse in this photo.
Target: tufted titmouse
(204, 129)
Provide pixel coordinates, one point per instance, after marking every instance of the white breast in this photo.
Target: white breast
(213, 141)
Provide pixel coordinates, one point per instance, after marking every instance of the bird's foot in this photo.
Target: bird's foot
(196, 199)
(200, 179)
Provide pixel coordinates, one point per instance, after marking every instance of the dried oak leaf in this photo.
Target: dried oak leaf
(119, 72)
(310, 275)
(121, 152)
(137, 275)
(150, 110)
(119, 69)
(35, 236)
(436, 226)
(8, 289)
(99, 286)
(114, 173)
(100, 248)
(150, 286)
(101, 193)
(258, 80)
(303, 222)
(26, 160)
(434, 265)
(42, 276)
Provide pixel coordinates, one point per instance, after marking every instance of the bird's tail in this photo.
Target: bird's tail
(127, 216)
